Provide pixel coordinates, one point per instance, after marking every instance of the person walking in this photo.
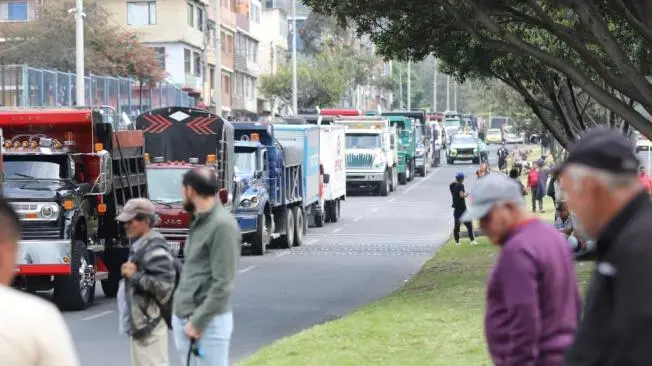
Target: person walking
(459, 195)
(502, 157)
(533, 184)
(202, 318)
(33, 332)
(602, 187)
(149, 277)
(533, 301)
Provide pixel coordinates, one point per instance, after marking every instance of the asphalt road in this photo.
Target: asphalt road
(377, 245)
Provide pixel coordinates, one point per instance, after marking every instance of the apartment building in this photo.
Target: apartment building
(273, 49)
(246, 69)
(227, 53)
(17, 10)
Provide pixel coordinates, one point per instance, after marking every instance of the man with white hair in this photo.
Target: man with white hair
(533, 300)
(602, 187)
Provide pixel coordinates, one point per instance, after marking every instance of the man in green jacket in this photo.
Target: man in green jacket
(484, 151)
(202, 321)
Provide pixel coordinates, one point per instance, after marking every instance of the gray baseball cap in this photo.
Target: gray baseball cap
(134, 207)
(488, 191)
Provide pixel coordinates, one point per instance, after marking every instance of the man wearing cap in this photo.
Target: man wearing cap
(149, 280)
(602, 187)
(533, 301)
(459, 206)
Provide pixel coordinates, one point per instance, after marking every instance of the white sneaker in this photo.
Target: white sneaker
(474, 242)
(457, 243)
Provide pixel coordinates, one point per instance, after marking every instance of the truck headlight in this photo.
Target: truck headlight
(245, 203)
(49, 211)
(249, 202)
(453, 152)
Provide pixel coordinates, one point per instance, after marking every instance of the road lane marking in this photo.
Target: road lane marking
(311, 242)
(421, 181)
(246, 269)
(99, 315)
(282, 254)
(357, 219)
(375, 209)
(391, 200)
(336, 230)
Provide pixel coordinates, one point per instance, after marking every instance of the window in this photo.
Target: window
(223, 41)
(141, 13)
(252, 50)
(226, 84)
(197, 60)
(191, 15)
(16, 11)
(211, 74)
(229, 43)
(187, 60)
(200, 19)
(254, 13)
(246, 87)
(160, 51)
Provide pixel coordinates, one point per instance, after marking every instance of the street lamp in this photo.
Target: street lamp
(80, 88)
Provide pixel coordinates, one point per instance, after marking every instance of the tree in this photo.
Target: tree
(321, 82)
(599, 47)
(49, 42)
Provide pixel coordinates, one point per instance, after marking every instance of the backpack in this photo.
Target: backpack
(533, 178)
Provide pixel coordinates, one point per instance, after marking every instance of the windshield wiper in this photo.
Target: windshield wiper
(166, 204)
(24, 176)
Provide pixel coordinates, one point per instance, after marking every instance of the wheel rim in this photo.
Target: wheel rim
(86, 278)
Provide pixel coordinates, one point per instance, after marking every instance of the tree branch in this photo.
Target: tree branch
(634, 21)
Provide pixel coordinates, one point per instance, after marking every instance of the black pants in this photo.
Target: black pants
(457, 213)
(535, 199)
(502, 163)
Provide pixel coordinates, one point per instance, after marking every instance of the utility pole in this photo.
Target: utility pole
(400, 89)
(434, 89)
(448, 92)
(80, 88)
(455, 95)
(295, 90)
(409, 86)
(218, 57)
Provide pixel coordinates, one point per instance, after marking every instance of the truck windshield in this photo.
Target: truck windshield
(452, 124)
(164, 185)
(32, 170)
(245, 162)
(363, 141)
(464, 140)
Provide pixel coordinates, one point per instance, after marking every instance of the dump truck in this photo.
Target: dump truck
(423, 138)
(280, 181)
(407, 135)
(178, 139)
(68, 173)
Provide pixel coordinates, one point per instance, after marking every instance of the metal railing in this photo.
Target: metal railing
(24, 86)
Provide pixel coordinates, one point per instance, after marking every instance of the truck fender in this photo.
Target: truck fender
(72, 219)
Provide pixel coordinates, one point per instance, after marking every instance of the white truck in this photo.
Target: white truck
(332, 156)
(371, 153)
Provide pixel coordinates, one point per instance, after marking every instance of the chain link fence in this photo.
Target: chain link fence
(24, 86)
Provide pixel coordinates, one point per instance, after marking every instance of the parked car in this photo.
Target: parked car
(494, 136)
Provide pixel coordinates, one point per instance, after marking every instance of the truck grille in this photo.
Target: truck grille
(465, 151)
(359, 160)
(32, 230)
(401, 158)
(174, 234)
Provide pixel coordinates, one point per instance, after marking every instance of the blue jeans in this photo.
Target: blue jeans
(214, 341)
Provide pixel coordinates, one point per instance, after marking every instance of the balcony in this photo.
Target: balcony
(228, 59)
(192, 81)
(228, 18)
(240, 62)
(252, 68)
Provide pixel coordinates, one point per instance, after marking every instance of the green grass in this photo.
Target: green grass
(435, 319)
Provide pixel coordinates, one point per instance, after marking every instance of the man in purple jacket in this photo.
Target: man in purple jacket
(533, 302)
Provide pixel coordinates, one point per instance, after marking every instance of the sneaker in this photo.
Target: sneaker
(457, 243)
(473, 242)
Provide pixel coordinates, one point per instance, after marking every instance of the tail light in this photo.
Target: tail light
(223, 194)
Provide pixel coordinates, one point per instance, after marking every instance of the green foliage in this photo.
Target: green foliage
(545, 50)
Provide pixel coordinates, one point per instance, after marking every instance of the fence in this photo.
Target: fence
(24, 86)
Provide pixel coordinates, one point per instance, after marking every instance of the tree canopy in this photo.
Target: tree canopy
(557, 54)
(49, 42)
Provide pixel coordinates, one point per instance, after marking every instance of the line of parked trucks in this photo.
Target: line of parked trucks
(69, 171)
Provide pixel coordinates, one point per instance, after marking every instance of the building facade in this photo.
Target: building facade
(273, 49)
(246, 71)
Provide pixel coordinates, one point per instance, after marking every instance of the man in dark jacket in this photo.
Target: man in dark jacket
(603, 191)
(149, 279)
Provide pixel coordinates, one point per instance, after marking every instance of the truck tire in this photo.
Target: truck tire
(476, 160)
(410, 169)
(333, 211)
(402, 179)
(391, 180)
(299, 221)
(286, 241)
(320, 218)
(450, 161)
(110, 285)
(77, 291)
(383, 189)
(261, 238)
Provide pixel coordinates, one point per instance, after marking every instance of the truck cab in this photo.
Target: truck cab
(371, 154)
(178, 139)
(423, 142)
(407, 137)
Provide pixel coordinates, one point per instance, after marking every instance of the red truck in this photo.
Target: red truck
(176, 140)
(68, 172)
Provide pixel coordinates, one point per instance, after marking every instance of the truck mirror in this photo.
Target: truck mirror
(327, 178)
(223, 194)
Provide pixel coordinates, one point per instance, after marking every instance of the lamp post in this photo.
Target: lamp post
(80, 88)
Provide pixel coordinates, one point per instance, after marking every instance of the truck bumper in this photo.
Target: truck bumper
(364, 176)
(419, 162)
(248, 222)
(43, 257)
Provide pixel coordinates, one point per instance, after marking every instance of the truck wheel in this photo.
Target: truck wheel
(319, 218)
(110, 285)
(383, 189)
(287, 240)
(402, 179)
(333, 211)
(261, 238)
(449, 161)
(297, 212)
(77, 291)
(412, 170)
(476, 161)
(392, 186)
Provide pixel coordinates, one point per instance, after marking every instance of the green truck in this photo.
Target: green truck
(408, 146)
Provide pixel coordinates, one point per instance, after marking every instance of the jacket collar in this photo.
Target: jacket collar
(614, 228)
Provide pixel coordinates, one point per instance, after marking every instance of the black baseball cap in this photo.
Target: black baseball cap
(603, 149)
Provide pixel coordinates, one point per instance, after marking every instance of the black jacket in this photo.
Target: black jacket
(616, 329)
